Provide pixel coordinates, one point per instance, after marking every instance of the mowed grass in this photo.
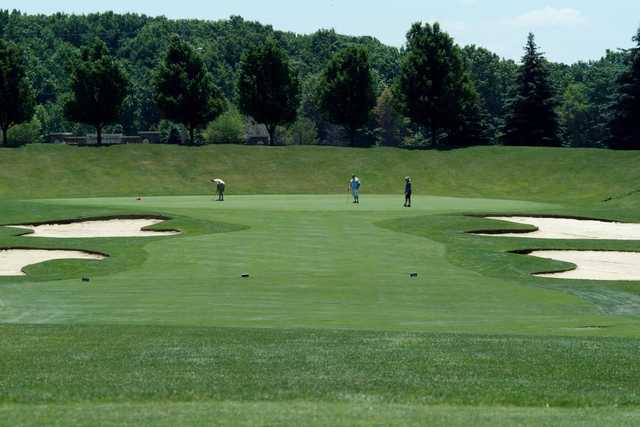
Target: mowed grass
(314, 261)
(330, 329)
(542, 174)
(124, 375)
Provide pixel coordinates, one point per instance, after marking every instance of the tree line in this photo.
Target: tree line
(196, 82)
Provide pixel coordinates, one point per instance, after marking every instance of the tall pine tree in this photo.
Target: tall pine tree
(532, 119)
(17, 100)
(625, 121)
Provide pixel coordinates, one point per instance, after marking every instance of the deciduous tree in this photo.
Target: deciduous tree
(434, 86)
(99, 87)
(185, 92)
(268, 87)
(389, 120)
(346, 90)
(17, 100)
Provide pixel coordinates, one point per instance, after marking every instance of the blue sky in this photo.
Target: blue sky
(566, 30)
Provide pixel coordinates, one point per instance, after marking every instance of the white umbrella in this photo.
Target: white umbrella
(218, 181)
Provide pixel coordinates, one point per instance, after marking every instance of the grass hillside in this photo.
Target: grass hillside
(542, 174)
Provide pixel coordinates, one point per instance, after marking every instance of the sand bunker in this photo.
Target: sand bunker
(595, 265)
(97, 228)
(12, 261)
(564, 228)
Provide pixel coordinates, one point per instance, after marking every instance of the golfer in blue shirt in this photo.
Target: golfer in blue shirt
(354, 187)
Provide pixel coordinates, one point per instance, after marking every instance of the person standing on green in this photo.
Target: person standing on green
(408, 190)
(354, 187)
(220, 186)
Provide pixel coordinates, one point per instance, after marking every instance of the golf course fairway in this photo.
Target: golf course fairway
(329, 328)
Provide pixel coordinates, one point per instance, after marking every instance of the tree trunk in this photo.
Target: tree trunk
(434, 134)
(99, 135)
(272, 133)
(4, 136)
(352, 137)
(192, 131)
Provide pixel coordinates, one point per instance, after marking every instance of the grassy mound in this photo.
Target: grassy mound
(46, 171)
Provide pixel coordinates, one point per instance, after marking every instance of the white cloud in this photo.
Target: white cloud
(550, 17)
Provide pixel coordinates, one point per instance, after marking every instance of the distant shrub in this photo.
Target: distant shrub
(227, 129)
(117, 128)
(25, 133)
(302, 132)
(171, 133)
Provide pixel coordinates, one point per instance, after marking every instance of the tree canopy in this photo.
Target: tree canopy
(17, 101)
(99, 86)
(185, 91)
(625, 122)
(268, 87)
(346, 89)
(52, 44)
(434, 87)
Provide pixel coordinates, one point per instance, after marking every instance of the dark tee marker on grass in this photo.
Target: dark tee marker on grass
(185, 91)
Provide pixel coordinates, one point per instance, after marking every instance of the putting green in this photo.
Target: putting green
(314, 261)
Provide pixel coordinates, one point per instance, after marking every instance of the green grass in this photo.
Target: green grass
(46, 171)
(329, 329)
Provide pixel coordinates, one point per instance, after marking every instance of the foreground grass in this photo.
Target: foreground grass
(120, 364)
(347, 337)
(296, 413)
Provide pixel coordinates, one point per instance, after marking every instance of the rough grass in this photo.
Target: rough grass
(75, 368)
(296, 413)
(37, 171)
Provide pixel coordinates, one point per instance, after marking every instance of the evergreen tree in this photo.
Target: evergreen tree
(472, 128)
(625, 121)
(268, 87)
(185, 91)
(434, 88)
(17, 101)
(532, 119)
(99, 87)
(346, 90)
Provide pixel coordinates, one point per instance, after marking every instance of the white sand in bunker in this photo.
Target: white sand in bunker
(564, 228)
(13, 261)
(595, 265)
(98, 228)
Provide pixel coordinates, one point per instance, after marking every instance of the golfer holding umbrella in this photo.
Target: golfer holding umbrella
(219, 188)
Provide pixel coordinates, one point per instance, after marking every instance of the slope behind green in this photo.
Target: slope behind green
(47, 171)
